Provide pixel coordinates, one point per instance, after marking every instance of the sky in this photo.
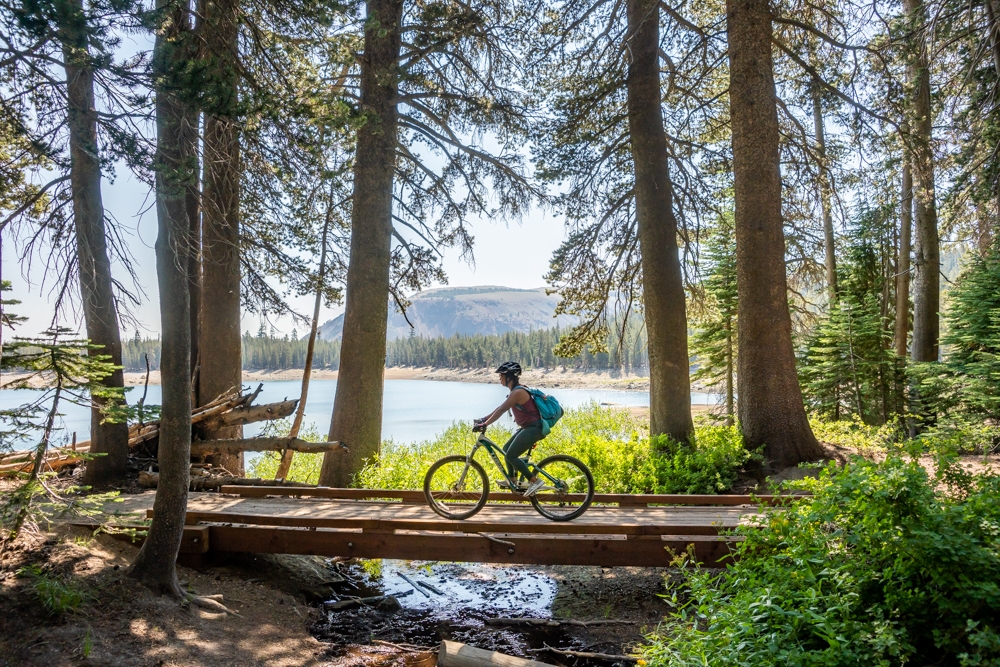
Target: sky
(511, 254)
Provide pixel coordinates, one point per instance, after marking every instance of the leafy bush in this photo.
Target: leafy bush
(711, 465)
(882, 566)
(855, 434)
(56, 595)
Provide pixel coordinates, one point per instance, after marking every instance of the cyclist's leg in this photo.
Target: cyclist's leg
(517, 446)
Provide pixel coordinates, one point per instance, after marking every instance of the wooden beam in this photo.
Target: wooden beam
(470, 526)
(535, 550)
(206, 447)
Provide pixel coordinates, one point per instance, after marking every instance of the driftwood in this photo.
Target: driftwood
(248, 414)
(206, 447)
(228, 409)
(350, 603)
(151, 480)
(454, 654)
(553, 622)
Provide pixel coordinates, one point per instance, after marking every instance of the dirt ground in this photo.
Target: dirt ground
(280, 618)
(121, 623)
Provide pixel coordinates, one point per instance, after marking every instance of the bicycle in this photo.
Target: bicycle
(456, 487)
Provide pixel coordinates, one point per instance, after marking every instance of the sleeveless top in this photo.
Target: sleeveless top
(527, 414)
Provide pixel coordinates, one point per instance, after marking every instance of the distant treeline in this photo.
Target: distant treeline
(533, 350)
(260, 353)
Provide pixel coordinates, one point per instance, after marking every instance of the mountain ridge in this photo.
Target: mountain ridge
(479, 309)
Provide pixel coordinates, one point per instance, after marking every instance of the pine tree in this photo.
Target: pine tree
(714, 341)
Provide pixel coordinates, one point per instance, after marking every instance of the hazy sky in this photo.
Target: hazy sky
(515, 254)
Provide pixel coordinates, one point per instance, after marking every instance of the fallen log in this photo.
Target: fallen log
(350, 603)
(236, 445)
(150, 480)
(455, 654)
(248, 414)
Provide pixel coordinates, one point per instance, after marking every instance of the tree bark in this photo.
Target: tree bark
(663, 289)
(770, 401)
(286, 458)
(357, 408)
(986, 235)
(829, 245)
(220, 346)
(96, 292)
(155, 565)
(903, 263)
(926, 256)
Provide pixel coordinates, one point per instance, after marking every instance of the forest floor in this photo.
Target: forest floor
(279, 617)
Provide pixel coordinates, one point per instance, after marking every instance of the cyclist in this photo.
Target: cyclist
(529, 423)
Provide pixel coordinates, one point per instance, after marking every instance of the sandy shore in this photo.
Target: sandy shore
(535, 378)
(550, 378)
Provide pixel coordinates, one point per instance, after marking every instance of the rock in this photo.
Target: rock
(389, 605)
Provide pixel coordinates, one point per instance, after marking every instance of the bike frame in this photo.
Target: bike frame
(497, 454)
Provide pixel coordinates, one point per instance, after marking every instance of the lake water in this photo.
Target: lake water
(413, 411)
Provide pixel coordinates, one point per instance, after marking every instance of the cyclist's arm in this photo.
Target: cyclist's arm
(517, 397)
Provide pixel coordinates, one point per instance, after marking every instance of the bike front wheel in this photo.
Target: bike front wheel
(456, 487)
(568, 490)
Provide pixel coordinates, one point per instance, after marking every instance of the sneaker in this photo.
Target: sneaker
(534, 487)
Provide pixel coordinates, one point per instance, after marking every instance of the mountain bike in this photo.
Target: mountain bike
(456, 487)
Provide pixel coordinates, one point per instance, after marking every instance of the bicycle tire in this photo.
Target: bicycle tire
(443, 510)
(589, 496)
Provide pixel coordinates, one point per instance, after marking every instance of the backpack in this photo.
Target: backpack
(548, 408)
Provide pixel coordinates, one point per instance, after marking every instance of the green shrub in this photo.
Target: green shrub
(881, 566)
(57, 596)
(711, 465)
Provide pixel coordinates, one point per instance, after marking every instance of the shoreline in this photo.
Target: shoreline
(541, 378)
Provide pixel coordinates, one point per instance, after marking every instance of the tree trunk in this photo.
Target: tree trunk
(770, 405)
(663, 289)
(986, 235)
(193, 206)
(357, 408)
(96, 292)
(730, 407)
(155, 565)
(824, 196)
(926, 259)
(220, 347)
(903, 263)
(286, 458)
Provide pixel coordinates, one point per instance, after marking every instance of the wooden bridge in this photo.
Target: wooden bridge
(641, 530)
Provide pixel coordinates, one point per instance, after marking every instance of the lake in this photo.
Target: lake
(413, 411)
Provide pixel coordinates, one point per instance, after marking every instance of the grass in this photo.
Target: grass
(57, 596)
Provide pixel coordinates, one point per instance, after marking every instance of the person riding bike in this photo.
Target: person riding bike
(529, 423)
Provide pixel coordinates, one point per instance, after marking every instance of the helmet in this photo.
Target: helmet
(509, 368)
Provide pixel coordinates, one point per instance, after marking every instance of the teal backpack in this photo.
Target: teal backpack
(548, 408)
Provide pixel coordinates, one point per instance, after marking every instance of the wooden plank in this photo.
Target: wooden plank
(711, 551)
(601, 498)
(370, 524)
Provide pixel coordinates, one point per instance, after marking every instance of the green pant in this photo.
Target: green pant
(518, 444)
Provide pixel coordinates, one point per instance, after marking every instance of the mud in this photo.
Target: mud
(468, 595)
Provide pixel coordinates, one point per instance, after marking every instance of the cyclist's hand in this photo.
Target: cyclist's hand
(478, 426)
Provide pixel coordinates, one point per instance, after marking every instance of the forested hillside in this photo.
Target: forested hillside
(533, 350)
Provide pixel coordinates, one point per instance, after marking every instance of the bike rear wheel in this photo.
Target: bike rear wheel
(570, 494)
(456, 487)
